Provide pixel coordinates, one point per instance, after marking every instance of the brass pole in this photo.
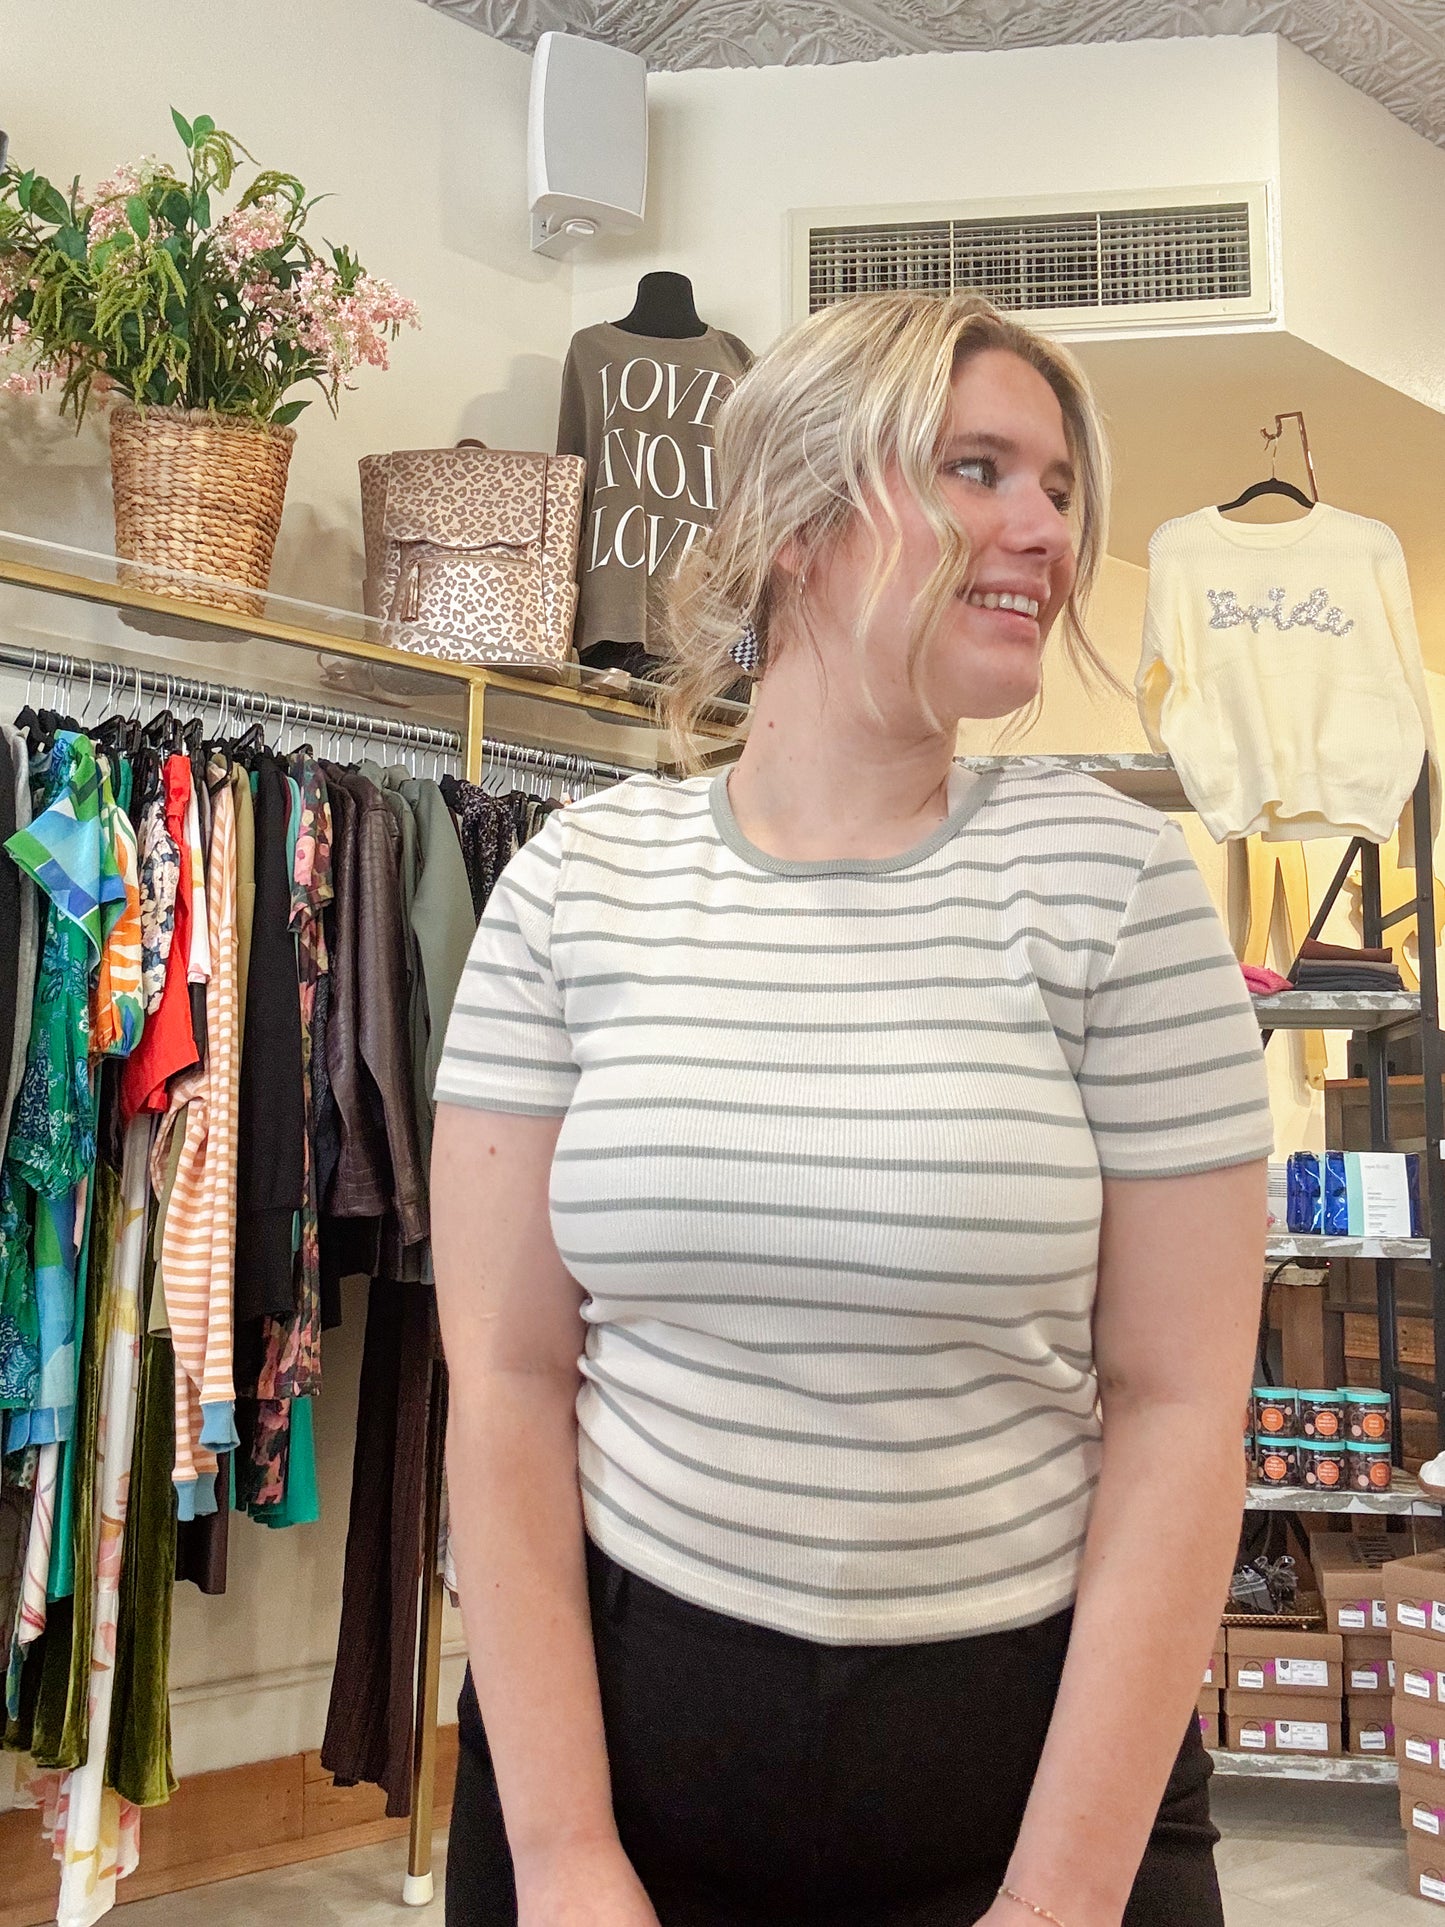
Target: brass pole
(418, 1887)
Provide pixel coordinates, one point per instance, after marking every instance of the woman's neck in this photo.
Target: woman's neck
(819, 778)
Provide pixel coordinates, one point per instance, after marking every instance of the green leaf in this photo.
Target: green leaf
(48, 203)
(175, 208)
(287, 413)
(71, 243)
(138, 214)
(201, 209)
(204, 126)
(183, 128)
(24, 187)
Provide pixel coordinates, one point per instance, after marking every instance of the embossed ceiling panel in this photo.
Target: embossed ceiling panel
(1393, 50)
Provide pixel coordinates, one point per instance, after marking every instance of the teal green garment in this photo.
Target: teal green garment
(81, 1445)
(302, 1503)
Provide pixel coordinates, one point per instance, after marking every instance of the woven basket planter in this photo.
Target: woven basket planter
(197, 495)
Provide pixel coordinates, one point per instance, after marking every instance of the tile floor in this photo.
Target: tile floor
(1319, 1854)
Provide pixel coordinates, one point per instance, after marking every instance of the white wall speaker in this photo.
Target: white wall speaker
(586, 141)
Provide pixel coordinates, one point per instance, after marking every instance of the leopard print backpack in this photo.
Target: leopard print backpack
(471, 552)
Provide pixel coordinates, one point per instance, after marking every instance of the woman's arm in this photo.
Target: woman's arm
(511, 1324)
(1177, 1317)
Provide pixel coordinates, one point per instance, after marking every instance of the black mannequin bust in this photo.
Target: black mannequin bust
(664, 309)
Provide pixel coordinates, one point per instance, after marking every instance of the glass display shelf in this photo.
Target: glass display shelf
(1302, 1244)
(350, 654)
(1404, 1497)
(1147, 778)
(1355, 1770)
(1338, 1009)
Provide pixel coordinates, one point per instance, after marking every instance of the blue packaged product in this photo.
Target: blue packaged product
(1302, 1192)
(1336, 1217)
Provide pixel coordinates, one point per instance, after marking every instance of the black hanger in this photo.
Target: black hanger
(1271, 485)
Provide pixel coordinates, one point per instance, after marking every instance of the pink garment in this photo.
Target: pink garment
(1264, 983)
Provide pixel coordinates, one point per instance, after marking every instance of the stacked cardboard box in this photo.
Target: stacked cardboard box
(1347, 1568)
(1211, 1694)
(1414, 1591)
(1285, 1691)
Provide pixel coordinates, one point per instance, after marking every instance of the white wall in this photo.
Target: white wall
(414, 124)
(1362, 203)
(734, 150)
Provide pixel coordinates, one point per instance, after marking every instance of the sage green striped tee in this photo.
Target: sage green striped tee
(830, 1175)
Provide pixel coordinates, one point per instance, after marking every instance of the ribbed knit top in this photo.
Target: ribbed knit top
(1281, 670)
(830, 1175)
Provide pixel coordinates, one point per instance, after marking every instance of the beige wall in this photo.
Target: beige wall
(734, 151)
(417, 128)
(1362, 207)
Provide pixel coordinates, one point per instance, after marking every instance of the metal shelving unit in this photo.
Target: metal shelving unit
(1378, 1016)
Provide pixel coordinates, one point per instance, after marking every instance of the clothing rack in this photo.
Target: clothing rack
(118, 682)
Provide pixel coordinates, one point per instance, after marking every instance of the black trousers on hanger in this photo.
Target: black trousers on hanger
(370, 1719)
(765, 1781)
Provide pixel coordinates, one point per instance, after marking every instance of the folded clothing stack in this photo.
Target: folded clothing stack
(1334, 966)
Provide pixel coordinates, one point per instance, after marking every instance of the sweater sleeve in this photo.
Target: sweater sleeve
(1161, 645)
(1172, 1076)
(507, 1047)
(1400, 613)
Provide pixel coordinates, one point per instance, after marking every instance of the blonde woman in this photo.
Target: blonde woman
(848, 1208)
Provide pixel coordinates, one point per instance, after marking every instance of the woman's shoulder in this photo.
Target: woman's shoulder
(642, 812)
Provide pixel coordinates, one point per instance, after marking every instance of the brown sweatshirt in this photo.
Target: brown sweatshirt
(642, 411)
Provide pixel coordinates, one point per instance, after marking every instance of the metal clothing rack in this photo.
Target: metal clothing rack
(123, 682)
(48, 569)
(118, 683)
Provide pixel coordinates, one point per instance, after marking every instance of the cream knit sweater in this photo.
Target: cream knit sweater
(1281, 671)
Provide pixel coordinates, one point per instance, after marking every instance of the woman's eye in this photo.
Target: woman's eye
(976, 468)
(1061, 500)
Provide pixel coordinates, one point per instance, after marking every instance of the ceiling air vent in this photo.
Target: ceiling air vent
(1084, 267)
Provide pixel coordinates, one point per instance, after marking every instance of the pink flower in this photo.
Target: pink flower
(106, 220)
(26, 382)
(249, 231)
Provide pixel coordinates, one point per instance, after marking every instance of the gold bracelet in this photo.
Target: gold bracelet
(1007, 1893)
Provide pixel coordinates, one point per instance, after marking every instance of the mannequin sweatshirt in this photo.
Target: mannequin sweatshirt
(1281, 671)
(642, 411)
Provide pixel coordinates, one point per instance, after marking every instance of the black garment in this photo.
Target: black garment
(761, 1780)
(369, 1720)
(272, 1121)
(485, 832)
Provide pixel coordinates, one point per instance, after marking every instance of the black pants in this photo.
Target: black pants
(765, 1781)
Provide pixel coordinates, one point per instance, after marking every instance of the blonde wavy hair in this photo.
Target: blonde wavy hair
(804, 447)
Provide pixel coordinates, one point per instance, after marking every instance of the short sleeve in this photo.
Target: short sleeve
(1172, 1075)
(507, 1047)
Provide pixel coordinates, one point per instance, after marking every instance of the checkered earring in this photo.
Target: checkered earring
(747, 651)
